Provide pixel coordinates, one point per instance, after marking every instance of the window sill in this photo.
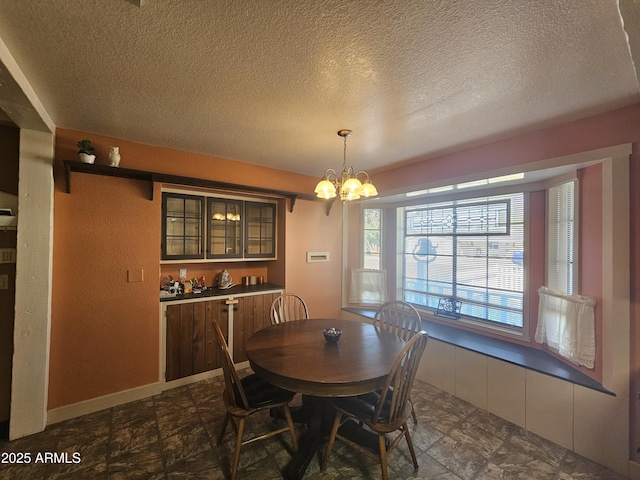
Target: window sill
(523, 356)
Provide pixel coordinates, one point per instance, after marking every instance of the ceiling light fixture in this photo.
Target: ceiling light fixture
(348, 186)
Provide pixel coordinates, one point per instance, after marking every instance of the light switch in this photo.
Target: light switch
(4, 282)
(135, 275)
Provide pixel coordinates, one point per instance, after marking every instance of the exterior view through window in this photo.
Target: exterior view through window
(470, 250)
(372, 238)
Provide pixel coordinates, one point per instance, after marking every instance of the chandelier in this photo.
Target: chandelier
(348, 186)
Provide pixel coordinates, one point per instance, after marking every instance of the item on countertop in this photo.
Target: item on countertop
(168, 284)
(169, 287)
(197, 284)
(223, 279)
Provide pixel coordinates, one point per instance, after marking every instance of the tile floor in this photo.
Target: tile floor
(173, 436)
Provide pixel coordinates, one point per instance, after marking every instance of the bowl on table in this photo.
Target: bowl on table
(332, 335)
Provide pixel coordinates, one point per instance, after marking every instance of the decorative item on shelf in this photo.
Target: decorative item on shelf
(114, 156)
(85, 151)
(449, 307)
(348, 186)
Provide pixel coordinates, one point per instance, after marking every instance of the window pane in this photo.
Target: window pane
(560, 238)
(470, 250)
(372, 238)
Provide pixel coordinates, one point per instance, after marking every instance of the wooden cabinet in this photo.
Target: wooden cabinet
(234, 228)
(191, 346)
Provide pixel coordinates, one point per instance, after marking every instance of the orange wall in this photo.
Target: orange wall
(104, 330)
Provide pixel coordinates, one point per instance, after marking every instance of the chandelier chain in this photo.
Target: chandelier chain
(344, 161)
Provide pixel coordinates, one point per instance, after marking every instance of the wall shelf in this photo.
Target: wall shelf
(154, 177)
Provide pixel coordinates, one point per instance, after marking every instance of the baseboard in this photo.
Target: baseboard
(100, 403)
(191, 379)
(634, 470)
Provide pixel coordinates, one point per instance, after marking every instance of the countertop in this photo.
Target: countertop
(237, 290)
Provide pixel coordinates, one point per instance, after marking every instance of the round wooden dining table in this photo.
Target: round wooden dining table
(295, 355)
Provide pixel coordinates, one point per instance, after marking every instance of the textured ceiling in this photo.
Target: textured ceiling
(271, 82)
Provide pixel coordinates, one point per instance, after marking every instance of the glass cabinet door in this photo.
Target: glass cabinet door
(261, 230)
(182, 227)
(225, 228)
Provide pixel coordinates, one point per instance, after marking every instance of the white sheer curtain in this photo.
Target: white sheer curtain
(368, 287)
(566, 323)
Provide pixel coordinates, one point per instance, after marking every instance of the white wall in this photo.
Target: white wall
(30, 376)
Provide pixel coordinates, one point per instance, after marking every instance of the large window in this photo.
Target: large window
(470, 250)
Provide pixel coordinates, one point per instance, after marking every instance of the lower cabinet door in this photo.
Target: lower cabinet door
(252, 314)
(191, 343)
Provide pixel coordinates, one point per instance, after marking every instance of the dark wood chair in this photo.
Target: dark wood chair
(385, 411)
(401, 319)
(246, 396)
(288, 307)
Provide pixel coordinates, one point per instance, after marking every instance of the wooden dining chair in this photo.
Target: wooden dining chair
(288, 307)
(246, 396)
(384, 412)
(401, 319)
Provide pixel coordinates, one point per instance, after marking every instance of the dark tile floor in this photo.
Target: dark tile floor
(173, 436)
